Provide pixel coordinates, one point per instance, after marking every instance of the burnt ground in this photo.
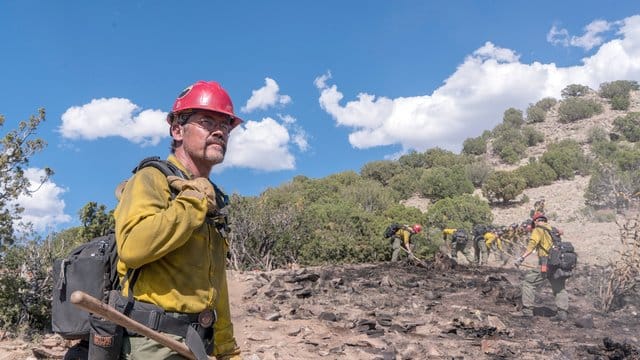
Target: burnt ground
(432, 310)
(441, 311)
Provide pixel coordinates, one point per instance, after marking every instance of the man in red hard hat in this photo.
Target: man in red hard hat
(402, 239)
(174, 231)
(541, 242)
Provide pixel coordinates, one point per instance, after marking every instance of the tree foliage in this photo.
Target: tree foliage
(546, 103)
(503, 186)
(509, 145)
(25, 284)
(574, 109)
(459, 212)
(96, 220)
(381, 171)
(574, 90)
(441, 182)
(513, 117)
(536, 174)
(629, 126)
(478, 172)
(566, 158)
(535, 114)
(618, 93)
(474, 146)
(18, 146)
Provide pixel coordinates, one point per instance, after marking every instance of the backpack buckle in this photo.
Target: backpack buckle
(206, 318)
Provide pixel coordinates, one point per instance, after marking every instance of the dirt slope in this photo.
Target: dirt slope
(403, 311)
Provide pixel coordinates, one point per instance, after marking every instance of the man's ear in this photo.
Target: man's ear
(176, 131)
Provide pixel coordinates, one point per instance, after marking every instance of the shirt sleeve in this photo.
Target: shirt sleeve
(148, 224)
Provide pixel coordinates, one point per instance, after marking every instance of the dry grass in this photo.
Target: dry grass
(622, 276)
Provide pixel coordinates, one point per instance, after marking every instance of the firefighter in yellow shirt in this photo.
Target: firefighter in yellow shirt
(177, 245)
(459, 239)
(541, 242)
(402, 240)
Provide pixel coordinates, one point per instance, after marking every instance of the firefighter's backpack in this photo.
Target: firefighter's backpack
(391, 230)
(562, 255)
(460, 237)
(91, 268)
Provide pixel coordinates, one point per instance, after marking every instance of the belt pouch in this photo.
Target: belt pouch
(105, 339)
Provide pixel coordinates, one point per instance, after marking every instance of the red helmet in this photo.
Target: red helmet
(417, 228)
(539, 216)
(205, 95)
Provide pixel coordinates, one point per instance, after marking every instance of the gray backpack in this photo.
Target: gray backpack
(91, 267)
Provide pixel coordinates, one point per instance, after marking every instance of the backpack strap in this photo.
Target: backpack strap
(166, 167)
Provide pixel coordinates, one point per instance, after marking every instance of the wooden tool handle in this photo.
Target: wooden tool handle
(93, 305)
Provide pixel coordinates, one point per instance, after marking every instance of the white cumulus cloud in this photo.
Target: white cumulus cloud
(474, 98)
(44, 208)
(266, 97)
(262, 145)
(592, 37)
(114, 117)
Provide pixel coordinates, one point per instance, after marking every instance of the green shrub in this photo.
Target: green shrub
(380, 171)
(629, 126)
(532, 137)
(412, 159)
(597, 134)
(503, 186)
(478, 172)
(611, 188)
(574, 90)
(474, 146)
(627, 158)
(25, 287)
(513, 117)
(509, 145)
(565, 158)
(436, 157)
(605, 150)
(406, 183)
(460, 211)
(620, 102)
(440, 182)
(610, 90)
(546, 103)
(536, 174)
(573, 109)
(536, 114)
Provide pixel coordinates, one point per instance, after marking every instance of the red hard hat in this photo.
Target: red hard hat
(538, 216)
(417, 228)
(205, 95)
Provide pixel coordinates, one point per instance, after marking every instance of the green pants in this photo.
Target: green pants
(464, 249)
(481, 251)
(534, 278)
(143, 348)
(397, 249)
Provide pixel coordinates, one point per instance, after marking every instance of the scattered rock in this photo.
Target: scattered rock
(328, 316)
(585, 322)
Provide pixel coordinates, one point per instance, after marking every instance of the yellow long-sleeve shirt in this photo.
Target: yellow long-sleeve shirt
(490, 237)
(405, 236)
(540, 240)
(181, 257)
(447, 232)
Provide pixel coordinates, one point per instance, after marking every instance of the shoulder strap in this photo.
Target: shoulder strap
(553, 241)
(166, 167)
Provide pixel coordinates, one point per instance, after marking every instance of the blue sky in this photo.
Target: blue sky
(323, 86)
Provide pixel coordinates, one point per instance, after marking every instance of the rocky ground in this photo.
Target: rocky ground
(429, 310)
